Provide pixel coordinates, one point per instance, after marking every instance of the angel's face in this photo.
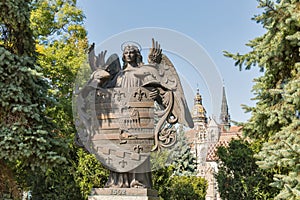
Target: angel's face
(129, 55)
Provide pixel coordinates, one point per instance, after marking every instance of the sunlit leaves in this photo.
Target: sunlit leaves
(238, 175)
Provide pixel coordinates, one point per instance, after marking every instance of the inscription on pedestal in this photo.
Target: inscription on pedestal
(117, 192)
(123, 194)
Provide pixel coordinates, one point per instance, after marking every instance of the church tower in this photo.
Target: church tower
(199, 113)
(200, 121)
(224, 116)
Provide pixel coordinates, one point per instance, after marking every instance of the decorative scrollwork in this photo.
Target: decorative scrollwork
(166, 136)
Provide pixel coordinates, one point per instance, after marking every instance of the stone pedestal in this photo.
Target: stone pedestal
(123, 194)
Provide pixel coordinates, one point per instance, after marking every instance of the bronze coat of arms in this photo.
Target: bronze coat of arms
(125, 113)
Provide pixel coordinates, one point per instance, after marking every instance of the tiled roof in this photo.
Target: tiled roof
(212, 149)
(235, 128)
(224, 140)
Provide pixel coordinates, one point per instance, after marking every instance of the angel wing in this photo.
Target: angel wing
(169, 79)
(155, 54)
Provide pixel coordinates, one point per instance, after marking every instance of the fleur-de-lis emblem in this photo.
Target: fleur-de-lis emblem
(119, 95)
(123, 163)
(137, 148)
(139, 94)
(102, 96)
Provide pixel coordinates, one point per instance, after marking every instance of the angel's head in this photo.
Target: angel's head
(132, 56)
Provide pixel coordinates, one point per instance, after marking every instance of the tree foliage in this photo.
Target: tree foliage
(181, 158)
(161, 179)
(187, 188)
(43, 44)
(239, 177)
(89, 173)
(27, 137)
(61, 46)
(175, 172)
(16, 35)
(173, 187)
(275, 118)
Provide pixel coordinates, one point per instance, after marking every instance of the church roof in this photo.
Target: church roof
(225, 138)
(212, 123)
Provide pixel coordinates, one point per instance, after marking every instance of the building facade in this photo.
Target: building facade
(206, 136)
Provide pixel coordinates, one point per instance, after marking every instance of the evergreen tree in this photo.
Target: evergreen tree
(27, 139)
(275, 118)
(181, 157)
(175, 172)
(43, 44)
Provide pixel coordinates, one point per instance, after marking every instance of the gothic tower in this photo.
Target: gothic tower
(224, 116)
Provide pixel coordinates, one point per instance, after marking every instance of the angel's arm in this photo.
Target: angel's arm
(155, 54)
(92, 57)
(100, 63)
(96, 62)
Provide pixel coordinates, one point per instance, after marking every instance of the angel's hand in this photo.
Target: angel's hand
(155, 54)
(91, 48)
(101, 59)
(154, 93)
(92, 57)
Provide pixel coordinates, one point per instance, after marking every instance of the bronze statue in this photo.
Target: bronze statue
(126, 113)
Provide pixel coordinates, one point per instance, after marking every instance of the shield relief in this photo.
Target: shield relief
(124, 129)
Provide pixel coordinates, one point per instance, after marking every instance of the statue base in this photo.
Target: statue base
(123, 194)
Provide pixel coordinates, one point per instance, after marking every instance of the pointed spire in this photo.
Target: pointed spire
(224, 116)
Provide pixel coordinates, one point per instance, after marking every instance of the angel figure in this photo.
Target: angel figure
(156, 82)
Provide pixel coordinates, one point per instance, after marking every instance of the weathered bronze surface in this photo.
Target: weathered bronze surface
(125, 114)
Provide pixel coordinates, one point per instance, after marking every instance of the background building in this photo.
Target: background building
(206, 136)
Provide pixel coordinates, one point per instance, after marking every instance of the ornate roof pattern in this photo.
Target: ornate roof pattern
(225, 138)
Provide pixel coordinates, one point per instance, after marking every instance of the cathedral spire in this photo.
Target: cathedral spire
(224, 116)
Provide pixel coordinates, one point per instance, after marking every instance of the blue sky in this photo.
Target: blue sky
(214, 25)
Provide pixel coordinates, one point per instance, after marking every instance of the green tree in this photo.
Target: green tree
(238, 175)
(275, 118)
(186, 188)
(181, 158)
(61, 46)
(89, 173)
(175, 172)
(43, 44)
(173, 187)
(27, 139)
(161, 180)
